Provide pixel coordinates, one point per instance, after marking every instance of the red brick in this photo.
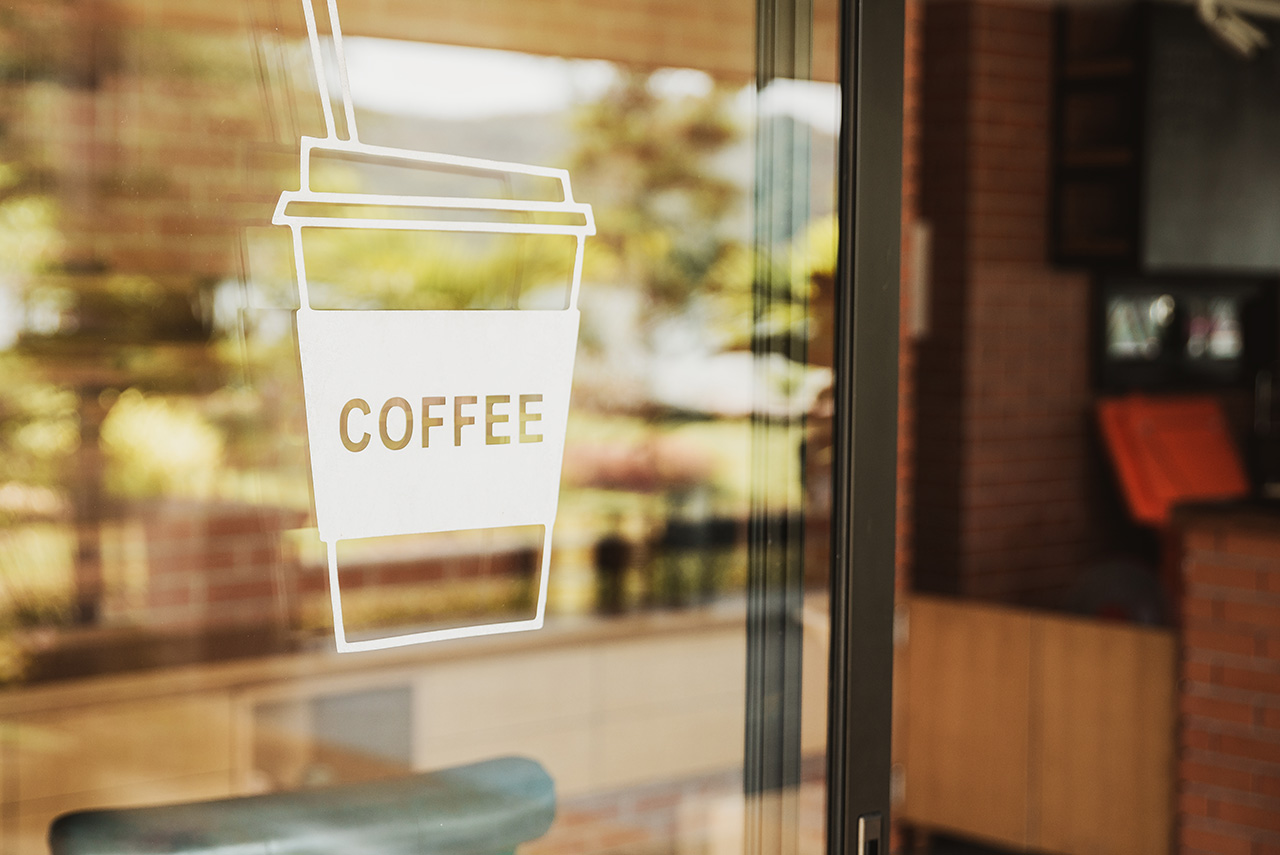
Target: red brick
(1213, 708)
(1256, 614)
(1267, 786)
(1200, 607)
(1202, 539)
(255, 591)
(1193, 804)
(1215, 842)
(259, 555)
(1251, 680)
(214, 557)
(1257, 544)
(312, 584)
(1199, 738)
(1269, 579)
(169, 598)
(1005, 324)
(1266, 818)
(620, 837)
(1261, 750)
(1215, 775)
(242, 523)
(1198, 671)
(1220, 641)
(411, 573)
(1220, 574)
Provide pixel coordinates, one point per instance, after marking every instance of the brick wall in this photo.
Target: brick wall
(1229, 745)
(907, 449)
(153, 153)
(1004, 477)
(156, 145)
(216, 565)
(943, 145)
(717, 35)
(906, 353)
(161, 130)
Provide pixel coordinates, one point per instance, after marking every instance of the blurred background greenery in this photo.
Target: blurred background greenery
(129, 388)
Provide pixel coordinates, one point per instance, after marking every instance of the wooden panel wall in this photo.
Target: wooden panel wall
(966, 719)
(1042, 732)
(1105, 755)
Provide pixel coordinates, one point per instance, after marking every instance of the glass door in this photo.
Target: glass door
(397, 390)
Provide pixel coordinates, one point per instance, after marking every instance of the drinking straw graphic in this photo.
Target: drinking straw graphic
(430, 421)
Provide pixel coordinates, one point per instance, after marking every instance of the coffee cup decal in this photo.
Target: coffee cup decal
(423, 421)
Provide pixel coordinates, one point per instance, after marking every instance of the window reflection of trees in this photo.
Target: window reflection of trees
(140, 371)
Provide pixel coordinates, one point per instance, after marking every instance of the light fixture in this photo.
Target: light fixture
(1225, 20)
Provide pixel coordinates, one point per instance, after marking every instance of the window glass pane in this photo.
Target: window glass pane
(166, 613)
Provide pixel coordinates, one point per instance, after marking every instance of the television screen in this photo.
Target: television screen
(1159, 334)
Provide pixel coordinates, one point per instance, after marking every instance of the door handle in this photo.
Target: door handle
(870, 829)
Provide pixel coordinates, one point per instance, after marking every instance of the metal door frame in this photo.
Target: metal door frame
(864, 469)
(866, 418)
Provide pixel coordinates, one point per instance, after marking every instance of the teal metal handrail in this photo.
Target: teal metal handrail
(485, 808)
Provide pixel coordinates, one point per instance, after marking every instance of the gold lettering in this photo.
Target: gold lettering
(396, 403)
(459, 420)
(526, 417)
(343, 424)
(429, 421)
(491, 418)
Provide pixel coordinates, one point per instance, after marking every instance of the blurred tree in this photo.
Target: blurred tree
(385, 269)
(672, 220)
(76, 329)
(663, 207)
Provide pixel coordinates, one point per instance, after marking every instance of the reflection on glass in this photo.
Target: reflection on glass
(411, 583)
(155, 505)
(1140, 326)
(1136, 325)
(340, 736)
(1214, 328)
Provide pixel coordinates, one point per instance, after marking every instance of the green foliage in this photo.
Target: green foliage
(814, 248)
(39, 425)
(36, 576)
(795, 274)
(390, 269)
(646, 163)
(157, 445)
(29, 238)
(186, 56)
(445, 603)
(415, 270)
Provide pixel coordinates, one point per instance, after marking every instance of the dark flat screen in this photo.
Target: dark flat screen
(1213, 150)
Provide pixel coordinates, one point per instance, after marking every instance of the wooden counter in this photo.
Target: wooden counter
(1038, 731)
